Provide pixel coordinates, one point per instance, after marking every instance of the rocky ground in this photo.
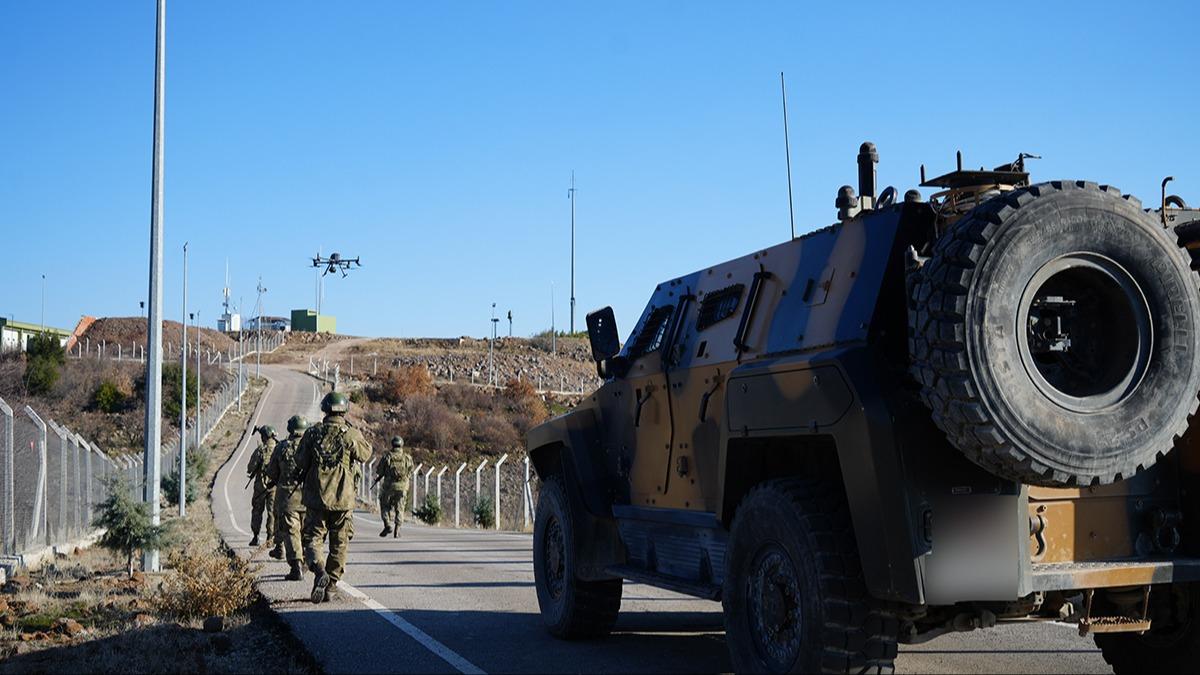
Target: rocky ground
(130, 331)
(81, 613)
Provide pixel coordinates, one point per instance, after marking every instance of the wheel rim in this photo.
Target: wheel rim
(1085, 332)
(554, 554)
(776, 616)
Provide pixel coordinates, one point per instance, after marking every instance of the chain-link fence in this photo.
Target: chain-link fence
(133, 351)
(51, 478)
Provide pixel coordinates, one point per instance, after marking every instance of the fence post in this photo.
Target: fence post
(457, 485)
(9, 544)
(88, 497)
(477, 470)
(496, 506)
(40, 512)
(414, 490)
(439, 484)
(427, 475)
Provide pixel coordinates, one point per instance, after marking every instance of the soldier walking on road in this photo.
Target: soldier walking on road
(329, 453)
(394, 470)
(263, 496)
(289, 507)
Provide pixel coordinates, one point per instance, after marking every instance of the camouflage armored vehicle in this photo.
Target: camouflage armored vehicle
(933, 415)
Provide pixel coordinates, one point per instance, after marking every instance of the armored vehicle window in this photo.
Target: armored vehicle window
(651, 336)
(719, 305)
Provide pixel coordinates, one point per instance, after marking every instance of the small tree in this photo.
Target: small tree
(44, 356)
(109, 398)
(127, 523)
(484, 514)
(172, 380)
(197, 467)
(430, 512)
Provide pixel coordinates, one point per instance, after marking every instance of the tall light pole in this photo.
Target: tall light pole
(553, 331)
(571, 196)
(196, 323)
(491, 349)
(183, 358)
(43, 303)
(150, 562)
(258, 350)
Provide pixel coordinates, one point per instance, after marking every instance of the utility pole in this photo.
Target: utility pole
(43, 303)
(491, 349)
(183, 357)
(196, 323)
(571, 196)
(510, 323)
(150, 562)
(553, 331)
(258, 351)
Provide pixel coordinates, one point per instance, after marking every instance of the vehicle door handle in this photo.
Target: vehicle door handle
(704, 401)
(637, 415)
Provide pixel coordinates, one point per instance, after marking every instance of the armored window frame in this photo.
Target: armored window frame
(719, 305)
(653, 332)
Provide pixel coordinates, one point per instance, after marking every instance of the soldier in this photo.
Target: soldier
(263, 496)
(289, 508)
(394, 470)
(328, 454)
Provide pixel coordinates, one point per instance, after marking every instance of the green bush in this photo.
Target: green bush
(172, 376)
(430, 512)
(109, 398)
(126, 522)
(44, 356)
(358, 397)
(485, 516)
(46, 346)
(197, 467)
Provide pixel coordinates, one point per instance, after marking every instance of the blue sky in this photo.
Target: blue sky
(436, 140)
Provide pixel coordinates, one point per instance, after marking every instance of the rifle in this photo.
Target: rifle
(253, 475)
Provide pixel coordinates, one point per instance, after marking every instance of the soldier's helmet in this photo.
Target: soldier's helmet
(297, 423)
(335, 402)
(267, 431)
(397, 442)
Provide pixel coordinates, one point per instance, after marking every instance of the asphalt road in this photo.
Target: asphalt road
(444, 600)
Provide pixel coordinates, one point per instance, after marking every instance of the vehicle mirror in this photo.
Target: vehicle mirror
(602, 333)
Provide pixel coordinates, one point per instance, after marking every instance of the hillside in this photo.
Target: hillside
(129, 331)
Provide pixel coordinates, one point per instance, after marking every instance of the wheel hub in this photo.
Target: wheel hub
(1086, 333)
(555, 557)
(776, 616)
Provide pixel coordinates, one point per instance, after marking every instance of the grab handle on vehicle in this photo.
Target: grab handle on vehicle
(637, 415)
(704, 399)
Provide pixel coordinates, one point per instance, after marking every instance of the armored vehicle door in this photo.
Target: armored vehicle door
(642, 419)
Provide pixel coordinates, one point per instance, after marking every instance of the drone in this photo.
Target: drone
(335, 262)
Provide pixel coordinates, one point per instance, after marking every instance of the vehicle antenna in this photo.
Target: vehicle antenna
(787, 151)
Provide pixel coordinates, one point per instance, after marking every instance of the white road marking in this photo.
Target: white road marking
(238, 459)
(443, 652)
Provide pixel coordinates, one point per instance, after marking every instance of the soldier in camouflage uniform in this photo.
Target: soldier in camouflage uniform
(263, 496)
(394, 471)
(329, 453)
(289, 508)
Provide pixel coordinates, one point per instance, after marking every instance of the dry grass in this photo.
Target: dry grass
(206, 585)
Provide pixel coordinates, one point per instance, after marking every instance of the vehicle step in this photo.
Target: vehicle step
(1107, 574)
(697, 589)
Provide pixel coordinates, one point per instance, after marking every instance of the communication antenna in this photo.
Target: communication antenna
(787, 151)
(571, 196)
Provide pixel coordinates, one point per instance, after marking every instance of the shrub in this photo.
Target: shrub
(206, 585)
(527, 407)
(127, 523)
(109, 398)
(484, 513)
(358, 397)
(197, 467)
(40, 376)
(172, 378)
(430, 512)
(495, 432)
(400, 384)
(431, 423)
(46, 346)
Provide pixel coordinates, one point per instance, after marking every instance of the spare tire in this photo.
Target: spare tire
(1054, 334)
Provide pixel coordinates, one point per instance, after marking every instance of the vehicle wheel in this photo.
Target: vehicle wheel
(794, 596)
(1055, 333)
(1172, 645)
(571, 607)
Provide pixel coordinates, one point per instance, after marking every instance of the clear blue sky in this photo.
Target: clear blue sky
(436, 140)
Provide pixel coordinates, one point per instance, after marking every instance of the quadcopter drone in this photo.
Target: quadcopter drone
(334, 263)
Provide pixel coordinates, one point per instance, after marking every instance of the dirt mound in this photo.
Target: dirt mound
(129, 331)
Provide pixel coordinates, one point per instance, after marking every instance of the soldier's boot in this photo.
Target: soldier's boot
(295, 574)
(331, 592)
(396, 533)
(319, 586)
(386, 531)
(277, 552)
(254, 541)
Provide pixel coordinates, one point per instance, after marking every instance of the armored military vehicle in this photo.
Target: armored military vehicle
(934, 415)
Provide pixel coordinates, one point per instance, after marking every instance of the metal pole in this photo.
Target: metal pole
(183, 357)
(150, 562)
(457, 486)
(571, 196)
(496, 504)
(196, 445)
(43, 303)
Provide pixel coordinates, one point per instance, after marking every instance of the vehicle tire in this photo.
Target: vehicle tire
(1172, 645)
(1055, 332)
(794, 596)
(571, 608)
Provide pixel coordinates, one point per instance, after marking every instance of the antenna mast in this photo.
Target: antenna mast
(787, 151)
(571, 196)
